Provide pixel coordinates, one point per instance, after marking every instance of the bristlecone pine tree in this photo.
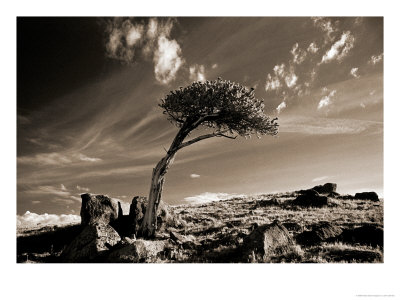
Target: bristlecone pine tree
(227, 108)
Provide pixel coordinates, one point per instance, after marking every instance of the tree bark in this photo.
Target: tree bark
(149, 224)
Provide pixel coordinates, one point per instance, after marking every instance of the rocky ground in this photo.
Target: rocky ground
(309, 226)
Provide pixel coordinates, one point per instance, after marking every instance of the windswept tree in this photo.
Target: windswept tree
(227, 108)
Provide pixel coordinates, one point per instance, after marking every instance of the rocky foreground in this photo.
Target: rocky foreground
(315, 226)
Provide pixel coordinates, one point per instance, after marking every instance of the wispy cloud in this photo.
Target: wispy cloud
(354, 72)
(83, 157)
(299, 55)
(340, 48)
(208, 197)
(315, 125)
(214, 66)
(326, 100)
(30, 219)
(52, 158)
(375, 59)
(194, 175)
(196, 73)
(281, 107)
(327, 26)
(313, 48)
(319, 178)
(61, 194)
(81, 188)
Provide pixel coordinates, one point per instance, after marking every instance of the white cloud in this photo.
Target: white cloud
(210, 197)
(214, 66)
(32, 219)
(197, 73)
(313, 48)
(52, 158)
(326, 100)
(152, 28)
(279, 70)
(326, 26)
(63, 188)
(362, 105)
(167, 60)
(194, 175)
(375, 59)
(125, 37)
(340, 48)
(320, 178)
(83, 157)
(81, 188)
(291, 80)
(281, 107)
(134, 34)
(354, 72)
(299, 55)
(272, 83)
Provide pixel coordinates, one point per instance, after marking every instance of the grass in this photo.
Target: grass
(218, 228)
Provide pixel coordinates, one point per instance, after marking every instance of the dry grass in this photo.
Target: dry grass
(218, 229)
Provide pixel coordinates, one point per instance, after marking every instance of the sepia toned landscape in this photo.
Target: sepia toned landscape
(150, 140)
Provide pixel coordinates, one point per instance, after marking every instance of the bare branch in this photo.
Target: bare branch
(206, 136)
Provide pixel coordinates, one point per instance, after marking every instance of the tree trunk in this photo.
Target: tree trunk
(149, 224)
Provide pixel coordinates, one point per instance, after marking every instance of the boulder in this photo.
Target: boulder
(321, 232)
(366, 235)
(91, 244)
(138, 251)
(367, 196)
(327, 188)
(138, 209)
(98, 208)
(333, 195)
(267, 240)
(310, 198)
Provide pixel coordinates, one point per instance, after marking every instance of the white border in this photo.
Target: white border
(324, 281)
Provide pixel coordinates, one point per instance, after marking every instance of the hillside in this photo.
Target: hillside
(344, 229)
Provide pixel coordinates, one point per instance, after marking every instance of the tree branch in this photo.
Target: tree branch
(203, 137)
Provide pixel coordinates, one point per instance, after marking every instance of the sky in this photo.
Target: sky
(88, 118)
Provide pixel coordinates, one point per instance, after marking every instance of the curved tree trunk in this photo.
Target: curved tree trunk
(149, 224)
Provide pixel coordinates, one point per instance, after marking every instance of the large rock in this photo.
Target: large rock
(91, 244)
(366, 235)
(310, 198)
(267, 240)
(137, 252)
(321, 232)
(138, 209)
(367, 196)
(327, 188)
(98, 208)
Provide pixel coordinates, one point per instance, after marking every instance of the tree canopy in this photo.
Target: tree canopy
(225, 106)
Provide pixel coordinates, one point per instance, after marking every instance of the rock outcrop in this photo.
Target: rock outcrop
(321, 232)
(365, 235)
(98, 209)
(310, 198)
(265, 241)
(138, 251)
(327, 188)
(367, 196)
(92, 243)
